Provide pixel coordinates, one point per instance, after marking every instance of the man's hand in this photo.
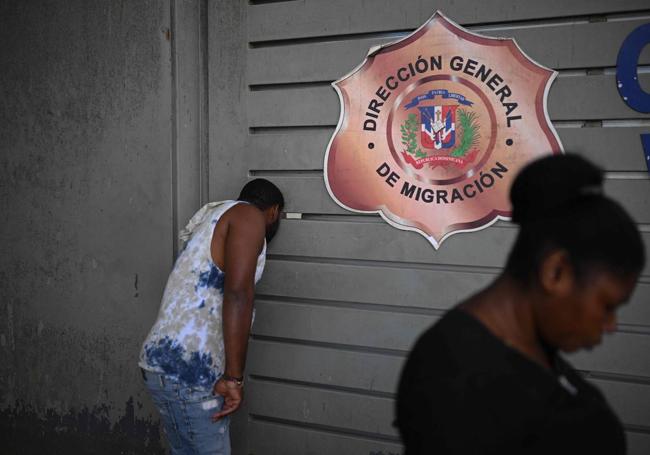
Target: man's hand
(233, 396)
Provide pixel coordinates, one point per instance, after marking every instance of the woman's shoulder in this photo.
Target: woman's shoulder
(458, 330)
(456, 344)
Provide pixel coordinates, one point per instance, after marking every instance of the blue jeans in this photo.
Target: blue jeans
(186, 414)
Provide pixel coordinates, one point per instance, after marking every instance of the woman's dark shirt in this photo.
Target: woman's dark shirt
(463, 391)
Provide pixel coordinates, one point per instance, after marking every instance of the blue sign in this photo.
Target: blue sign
(627, 78)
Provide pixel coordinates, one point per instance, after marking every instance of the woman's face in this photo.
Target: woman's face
(579, 318)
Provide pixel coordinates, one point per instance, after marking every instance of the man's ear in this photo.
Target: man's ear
(273, 213)
(557, 274)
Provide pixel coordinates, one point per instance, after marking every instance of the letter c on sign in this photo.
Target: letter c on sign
(628, 81)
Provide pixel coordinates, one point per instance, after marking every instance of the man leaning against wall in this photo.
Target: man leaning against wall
(193, 358)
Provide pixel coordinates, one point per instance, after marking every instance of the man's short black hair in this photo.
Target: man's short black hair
(262, 194)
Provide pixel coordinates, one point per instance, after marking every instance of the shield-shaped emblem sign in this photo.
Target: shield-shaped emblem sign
(434, 127)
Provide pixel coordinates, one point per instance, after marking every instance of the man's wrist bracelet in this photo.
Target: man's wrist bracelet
(236, 380)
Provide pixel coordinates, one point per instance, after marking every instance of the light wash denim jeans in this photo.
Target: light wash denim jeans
(186, 414)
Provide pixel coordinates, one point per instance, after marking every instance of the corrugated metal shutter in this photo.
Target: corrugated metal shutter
(345, 295)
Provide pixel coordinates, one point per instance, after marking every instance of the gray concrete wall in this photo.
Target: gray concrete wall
(87, 206)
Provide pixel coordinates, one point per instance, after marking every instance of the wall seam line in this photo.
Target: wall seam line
(174, 122)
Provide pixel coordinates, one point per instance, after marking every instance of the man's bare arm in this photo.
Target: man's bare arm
(243, 243)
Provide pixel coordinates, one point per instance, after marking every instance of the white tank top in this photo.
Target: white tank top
(186, 341)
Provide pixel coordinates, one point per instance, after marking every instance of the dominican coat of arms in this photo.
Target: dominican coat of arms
(434, 127)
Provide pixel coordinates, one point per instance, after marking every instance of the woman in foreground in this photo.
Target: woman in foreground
(487, 377)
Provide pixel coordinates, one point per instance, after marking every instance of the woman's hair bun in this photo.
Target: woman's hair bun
(549, 184)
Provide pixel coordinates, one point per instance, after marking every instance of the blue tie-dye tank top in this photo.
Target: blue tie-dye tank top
(186, 340)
